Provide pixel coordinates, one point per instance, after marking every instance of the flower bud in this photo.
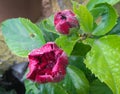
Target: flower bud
(47, 64)
(65, 20)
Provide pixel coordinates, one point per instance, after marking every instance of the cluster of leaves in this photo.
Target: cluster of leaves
(97, 48)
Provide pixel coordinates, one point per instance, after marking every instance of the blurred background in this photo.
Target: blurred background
(32, 9)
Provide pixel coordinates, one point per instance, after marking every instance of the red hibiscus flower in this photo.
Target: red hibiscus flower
(65, 20)
(47, 64)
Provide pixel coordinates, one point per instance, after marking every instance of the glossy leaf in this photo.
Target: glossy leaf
(22, 36)
(77, 61)
(98, 87)
(67, 84)
(92, 3)
(103, 60)
(116, 29)
(31, 87)
(48, 29)
(48, 88)
(51, 88)
(108, 19)
(66, 43)
(84, 16)
(80, 49)
(49, 24)
(75, 81)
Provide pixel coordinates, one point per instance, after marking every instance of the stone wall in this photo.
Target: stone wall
(6, 57)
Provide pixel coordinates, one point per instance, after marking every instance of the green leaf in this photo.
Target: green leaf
(66, 43)
(31, 87)
(51, 88)
(77, 61)
(48, 29)
(84, 16)
(103, 60)
(67, 84)
(107, 16)
(116, 29)
(98, 87)
(92, 3)
(75, 81)
(80, 49)
(22, 36)
(48, 24)
(48, 88)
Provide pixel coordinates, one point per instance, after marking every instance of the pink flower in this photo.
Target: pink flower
(47, 64)
(65, 20)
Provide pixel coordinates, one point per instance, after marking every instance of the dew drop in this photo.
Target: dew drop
(63, 85)
(32, 35)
